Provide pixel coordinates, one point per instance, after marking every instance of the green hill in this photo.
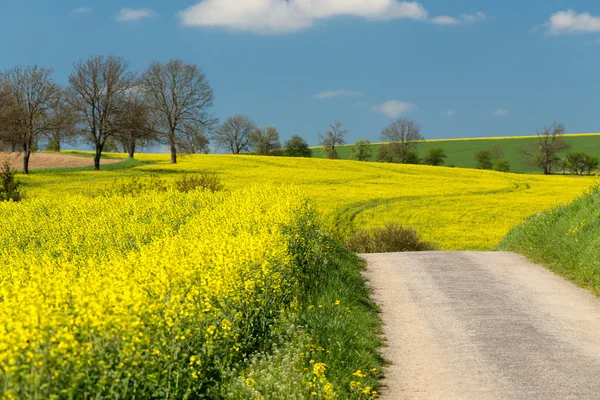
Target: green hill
(461, 152)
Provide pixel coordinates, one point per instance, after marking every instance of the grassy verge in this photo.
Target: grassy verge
(566, 240)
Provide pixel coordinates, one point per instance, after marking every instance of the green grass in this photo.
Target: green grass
(566, 240)
(461, 152)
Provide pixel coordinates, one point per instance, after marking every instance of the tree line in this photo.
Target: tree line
(549, 151)
(107, 104)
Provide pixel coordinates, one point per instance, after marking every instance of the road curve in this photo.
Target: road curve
(484, 326)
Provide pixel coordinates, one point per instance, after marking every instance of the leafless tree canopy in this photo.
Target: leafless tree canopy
(234, 134)
(30, 97)
(192, 140)
(264, 141)
(544, 154)
(180, 97)
(136, 127)
(335, 136)
(63, 125)
(403, 136)
(96, 91)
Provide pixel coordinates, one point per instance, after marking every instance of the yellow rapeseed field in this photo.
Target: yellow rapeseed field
(460, 209)
(154, 296)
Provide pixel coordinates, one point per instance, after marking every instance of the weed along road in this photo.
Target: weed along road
(484, 326)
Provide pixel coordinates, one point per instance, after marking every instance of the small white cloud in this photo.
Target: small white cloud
(569, 22)
(82, 10)
(464, 19)
(477, 17)
(445, 20)
(129, 15)
(450, 113)
(336, 93)
(393, 108)
(501, 112)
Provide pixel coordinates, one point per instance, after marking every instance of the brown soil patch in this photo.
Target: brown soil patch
(48, 160)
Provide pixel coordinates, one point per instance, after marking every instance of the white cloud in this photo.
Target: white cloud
(501, 112)
(445, 20)
(450, 113)
(464, 19)
(82, 10)
(569, 22)
(277, 16)
(129, 15)
(336, 93)
(393, 108)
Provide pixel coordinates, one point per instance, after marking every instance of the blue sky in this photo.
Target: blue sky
(463, 68)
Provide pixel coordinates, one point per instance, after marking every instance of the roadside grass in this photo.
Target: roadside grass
(343, 322)
(461, 152)
(566, 240)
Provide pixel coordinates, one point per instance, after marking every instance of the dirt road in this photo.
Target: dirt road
(484, 326)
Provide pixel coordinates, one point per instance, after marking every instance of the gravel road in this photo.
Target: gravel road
(484, 326)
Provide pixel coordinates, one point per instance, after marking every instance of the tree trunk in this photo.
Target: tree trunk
(132, 149)
(173, 148)
(97, 156)
(26, 154)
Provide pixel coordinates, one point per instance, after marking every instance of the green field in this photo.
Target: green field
(461, 152)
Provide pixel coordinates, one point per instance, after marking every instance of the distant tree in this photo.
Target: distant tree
(591, 164)
(497, 153)
(97, 88)
(502, 165)
(335, 136)
(63, 125)
(575, 162)
(180, 98)
(544, 153)
(192, 141)
(136, 127)
(362, 150)
(234, 134)
(435, 156)
(265, 141)
(32, 97)
(484, 159)
(402, 136)
(296, 147)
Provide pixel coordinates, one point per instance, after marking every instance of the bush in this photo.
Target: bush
(435, 157)
(10, 188)
(502, 166)
(204, 181)
(484, 159)
(390, 238)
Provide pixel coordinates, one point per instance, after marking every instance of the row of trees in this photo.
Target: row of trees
(403, 136)
(105, 101)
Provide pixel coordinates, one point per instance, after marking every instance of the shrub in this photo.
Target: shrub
(10, 188)
(435, 157)
(502, 166)
(484, 159)
(390, 238)
(206, 181)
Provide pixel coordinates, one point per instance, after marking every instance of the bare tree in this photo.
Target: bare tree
(136, 127)
(192, 140)
(31, 95)
(335, 136)
(264, 141)
(180, 97)
(544, 153)
(96, 91)
(403, 136)
(234, 134)
(63, 125)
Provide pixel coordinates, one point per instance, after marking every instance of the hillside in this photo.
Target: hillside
(461, 152)
(566, 240)
(461, 209)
